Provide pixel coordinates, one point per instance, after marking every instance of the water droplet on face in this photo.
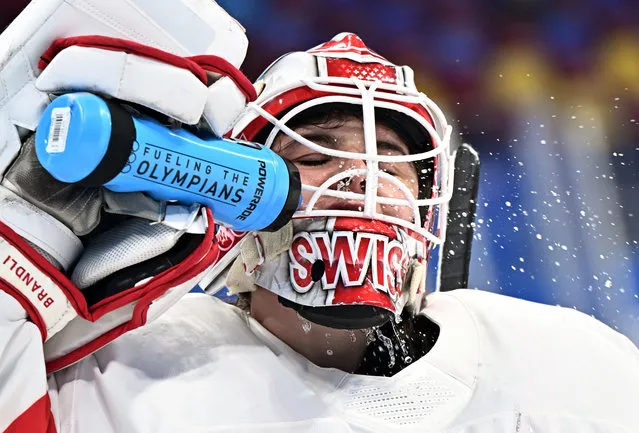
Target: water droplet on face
(306, 326)
(398, 336)
(329, 352)
(370, 335)
(389, 347)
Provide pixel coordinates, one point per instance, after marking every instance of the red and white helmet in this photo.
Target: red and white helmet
(345, 71)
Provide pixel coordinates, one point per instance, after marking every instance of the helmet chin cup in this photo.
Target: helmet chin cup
(344, 273)
(351, 317)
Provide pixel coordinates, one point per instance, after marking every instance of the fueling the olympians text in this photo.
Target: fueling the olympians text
(191, 174)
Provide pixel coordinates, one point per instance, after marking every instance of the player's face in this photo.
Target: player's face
(348, 135)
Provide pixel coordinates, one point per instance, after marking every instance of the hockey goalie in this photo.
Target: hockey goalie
(331, 328)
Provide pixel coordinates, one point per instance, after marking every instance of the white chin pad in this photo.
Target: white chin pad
(255, 249)
(416, 284)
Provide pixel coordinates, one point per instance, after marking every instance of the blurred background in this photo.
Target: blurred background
(548, 92)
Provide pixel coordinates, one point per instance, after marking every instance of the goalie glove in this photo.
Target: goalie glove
(125, 270)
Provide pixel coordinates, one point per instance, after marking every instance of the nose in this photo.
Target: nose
(355, 183)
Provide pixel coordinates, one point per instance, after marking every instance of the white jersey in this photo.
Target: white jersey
(499, 365)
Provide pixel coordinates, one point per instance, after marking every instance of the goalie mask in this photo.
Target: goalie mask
(373, 154)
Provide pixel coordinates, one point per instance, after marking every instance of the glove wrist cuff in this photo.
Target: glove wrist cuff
(39, 228)
(36, 284)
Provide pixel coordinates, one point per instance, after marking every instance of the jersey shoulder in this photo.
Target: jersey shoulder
(540, 322)
(543, 359)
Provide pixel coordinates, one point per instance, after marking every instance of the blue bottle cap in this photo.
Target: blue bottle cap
(73, 136)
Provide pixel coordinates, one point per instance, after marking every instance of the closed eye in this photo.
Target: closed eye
(390, 148)
(313, 160)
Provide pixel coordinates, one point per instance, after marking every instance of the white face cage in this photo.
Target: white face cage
(308, 71)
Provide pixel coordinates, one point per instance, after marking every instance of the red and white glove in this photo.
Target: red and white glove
(181, 61)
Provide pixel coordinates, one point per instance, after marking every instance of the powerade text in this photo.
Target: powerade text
(259, 191)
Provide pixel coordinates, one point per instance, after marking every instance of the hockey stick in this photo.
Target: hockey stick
(455, 253)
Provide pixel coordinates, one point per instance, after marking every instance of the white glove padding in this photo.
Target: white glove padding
(173, 85)
(70, 327)
(162, 58)
(180, 27)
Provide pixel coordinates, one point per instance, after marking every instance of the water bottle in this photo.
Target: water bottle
(86, 140)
